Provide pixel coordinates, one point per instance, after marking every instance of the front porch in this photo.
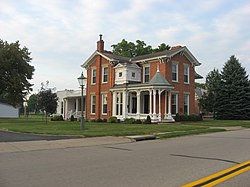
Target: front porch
(138, 104)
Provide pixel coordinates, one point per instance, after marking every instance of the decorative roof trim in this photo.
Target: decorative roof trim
(88, 62)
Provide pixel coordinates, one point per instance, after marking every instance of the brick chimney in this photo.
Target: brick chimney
(100, 44)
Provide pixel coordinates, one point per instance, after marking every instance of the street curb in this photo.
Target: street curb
(142, 137)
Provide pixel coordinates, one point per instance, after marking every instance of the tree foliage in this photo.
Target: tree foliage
(33, 103)
(47, 99)
(15, 72)
(130, 49)
(233, 101)
(228, 92)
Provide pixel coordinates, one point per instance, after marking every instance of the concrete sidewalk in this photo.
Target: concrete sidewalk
(8, 147)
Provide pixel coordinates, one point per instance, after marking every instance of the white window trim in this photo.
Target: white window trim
(177, 72)
(144, 72)
(188, 75)
(91, 101)
(103, 74)
(103, 95)
(92, 70)
(188, 103)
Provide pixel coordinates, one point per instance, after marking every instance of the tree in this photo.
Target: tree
(33, 103)
(200, 85)
(15, 72)
(47, 100)
(212, 85)
(233, 101)
(129, 49)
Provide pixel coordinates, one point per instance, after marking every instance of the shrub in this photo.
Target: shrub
(148, 120)
(99, 120)
(104, 120)
(192, 117)
(57, 118)
(129, 121)
(112, 119)
(72, 118)
(138, 121)
(177, 117)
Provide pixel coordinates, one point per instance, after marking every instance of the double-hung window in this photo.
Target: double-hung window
(174, 101)
(186, 73)
(119, 100)
(93, 77)
(105, 74)
(146, 73)
(186, 103)
(93, 104)
(175, 72)
(104, 103)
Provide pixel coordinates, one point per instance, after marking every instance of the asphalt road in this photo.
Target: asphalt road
(170, 163)
(6, 136)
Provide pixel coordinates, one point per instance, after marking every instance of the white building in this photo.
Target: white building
(8, 111)
(69, 103)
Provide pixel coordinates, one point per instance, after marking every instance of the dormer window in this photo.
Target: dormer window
(133, 75)
(120, 74)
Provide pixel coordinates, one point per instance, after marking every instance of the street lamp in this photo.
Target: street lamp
(81, 81)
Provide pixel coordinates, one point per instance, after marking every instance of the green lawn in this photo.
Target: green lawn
(38, 126)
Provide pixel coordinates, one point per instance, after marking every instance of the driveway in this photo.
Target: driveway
(6, 136)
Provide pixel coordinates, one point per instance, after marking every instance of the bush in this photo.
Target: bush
(185, 117)
(72, 118)
(177, 117)
(57, 118)
(129, 121)
(104, 120)
(112, 119)
(99, 120)
(148, 120)
(138, 121)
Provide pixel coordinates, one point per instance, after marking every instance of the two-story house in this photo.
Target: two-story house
(159, 84)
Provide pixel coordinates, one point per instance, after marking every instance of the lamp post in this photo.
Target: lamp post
(81, 80)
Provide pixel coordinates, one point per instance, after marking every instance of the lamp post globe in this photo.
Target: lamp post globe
(81, 81)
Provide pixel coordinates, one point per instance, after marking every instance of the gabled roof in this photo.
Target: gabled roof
(167, 54)
(107, 55)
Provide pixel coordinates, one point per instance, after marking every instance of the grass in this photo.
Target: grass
(38, 126)
(222, 123)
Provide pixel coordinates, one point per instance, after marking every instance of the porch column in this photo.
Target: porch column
(154, 103)
(166, 98)
(114, 104)
(130, 102)
(124, 104)
(169, 103)
(159, 93)
(169, 108)
(66, 109)
(150, 103)
(138, 103)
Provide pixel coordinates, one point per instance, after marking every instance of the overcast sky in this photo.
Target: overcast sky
(62, 34)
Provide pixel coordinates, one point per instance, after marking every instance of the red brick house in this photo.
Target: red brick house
(159, 84)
